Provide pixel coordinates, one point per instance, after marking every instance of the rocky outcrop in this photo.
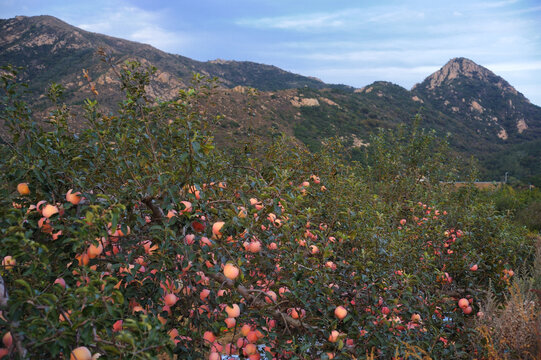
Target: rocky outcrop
(521, 126)
(298, 102)
(328, 101)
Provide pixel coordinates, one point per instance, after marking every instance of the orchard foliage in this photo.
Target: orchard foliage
(167, 247)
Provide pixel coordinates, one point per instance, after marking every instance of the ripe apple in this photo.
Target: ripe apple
(334, 336)
(230, 322)
(94, 251)
(209, 337)
(8, 262)
(23, 189)
(231, 271)
(7, 339)
(49, 210)
(74, 198)
(60, 282)
(170, 299)
(216, 227)
(250, 349)
(340, 312)
(81, 353)
(233, 311)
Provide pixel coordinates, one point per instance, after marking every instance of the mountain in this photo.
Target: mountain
(481, 113)
(482, 99)
(49, 49)
(507, 125)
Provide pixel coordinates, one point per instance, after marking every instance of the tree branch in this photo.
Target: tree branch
(157, 212)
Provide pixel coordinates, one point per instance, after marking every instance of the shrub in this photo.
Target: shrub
(137, 267)
(530, 216)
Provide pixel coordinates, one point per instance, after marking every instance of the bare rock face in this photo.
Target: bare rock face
(502, 134)
(240, 89)
(476, 106)
(458, 67)
(521, 126)
(298, 102)
(462, 67)
(329, 101)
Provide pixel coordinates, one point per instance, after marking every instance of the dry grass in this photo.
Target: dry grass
(512, 330)
(414, 352)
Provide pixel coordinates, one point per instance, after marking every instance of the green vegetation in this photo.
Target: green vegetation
(176, 249)
(523, 204)
(522, 161)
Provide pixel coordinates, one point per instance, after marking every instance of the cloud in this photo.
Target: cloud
(359, 76)
(345, 19)
(396, 16)
(495, 4)
(525, 11)
(298, 22)
(382, 56)
(133, 23)
(385, 71)
(514, 66)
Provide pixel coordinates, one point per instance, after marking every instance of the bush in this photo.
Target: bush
(143, 254)
(523, 204)
(530, 216)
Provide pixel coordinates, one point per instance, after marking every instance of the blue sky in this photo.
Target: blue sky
(338, 41)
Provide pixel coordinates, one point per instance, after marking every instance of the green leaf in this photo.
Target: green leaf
(24, 284)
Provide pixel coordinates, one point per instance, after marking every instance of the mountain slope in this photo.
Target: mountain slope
(481, 113)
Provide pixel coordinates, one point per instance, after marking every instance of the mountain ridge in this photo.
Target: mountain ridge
(66, 36)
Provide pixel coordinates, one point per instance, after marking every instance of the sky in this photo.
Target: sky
(339, 41)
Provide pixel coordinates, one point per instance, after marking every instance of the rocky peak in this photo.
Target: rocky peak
(462, 68)
(482, 99)
(459, 67)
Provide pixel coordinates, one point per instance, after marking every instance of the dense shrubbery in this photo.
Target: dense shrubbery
(522, 204)
(136, 268)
